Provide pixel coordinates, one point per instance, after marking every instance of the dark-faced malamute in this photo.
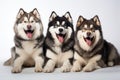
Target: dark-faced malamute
(28, 40)
(91, 50)
(59, 42)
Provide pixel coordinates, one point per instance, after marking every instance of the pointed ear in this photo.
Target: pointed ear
(80, 20)
(52, 16)
(20, 13)
(68, 16)
(96, 20)
(36, 13)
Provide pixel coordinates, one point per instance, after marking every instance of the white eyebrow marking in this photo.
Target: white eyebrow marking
(91, 26)
(25, 19)
(85, 26)
(58, 23)
(63, 22)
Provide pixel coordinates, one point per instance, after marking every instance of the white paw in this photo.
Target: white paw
(88, 69)
(76, 69)
(110, 64)
(66, 68)
(16, 69)
(38, 69)
(48, 69)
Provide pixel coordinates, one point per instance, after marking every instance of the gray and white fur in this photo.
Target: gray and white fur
(28, 39)
(91, 50)
(59, 43)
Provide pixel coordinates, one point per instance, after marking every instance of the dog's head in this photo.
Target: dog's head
(60, 28)
(88, 32)
(28, 25)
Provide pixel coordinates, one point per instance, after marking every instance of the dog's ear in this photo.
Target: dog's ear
(52, 16)
(80, 20)
(68, 16)
(36, 13)
(96, 20)
(20, 13)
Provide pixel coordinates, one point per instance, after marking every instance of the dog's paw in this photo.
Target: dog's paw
(38, 69)
(111, 63)
(76, 69)
(16, 70)
(48, 69)
(88, 69)
(66, 68)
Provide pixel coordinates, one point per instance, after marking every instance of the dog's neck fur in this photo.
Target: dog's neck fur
(18, 41)
(65, 46)
(88, 54)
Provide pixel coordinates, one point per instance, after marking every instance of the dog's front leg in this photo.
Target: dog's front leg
(78, 63)
(52, 60)
(49, 67)
(66, 66)
(92, 64)
(17, 66)
(39, 60)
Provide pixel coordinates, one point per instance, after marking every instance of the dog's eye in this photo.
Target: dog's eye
(84, 29)
(32, 21)
(64, 25)
(92, 29)
(25, 21)
(57, 25)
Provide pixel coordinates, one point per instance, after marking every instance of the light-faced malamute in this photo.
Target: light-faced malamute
(28, 49)
(59, 42)
(91, 50)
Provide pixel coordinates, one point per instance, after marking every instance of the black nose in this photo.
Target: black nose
(88, 33)
(61, 30)
(29, 26)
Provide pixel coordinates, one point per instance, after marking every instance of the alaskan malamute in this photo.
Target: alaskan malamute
(59, 42)
(91, 50)
(28, 49)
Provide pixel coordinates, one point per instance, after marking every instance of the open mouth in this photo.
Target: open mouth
(89, 40)
(29, 33)
(61, 37)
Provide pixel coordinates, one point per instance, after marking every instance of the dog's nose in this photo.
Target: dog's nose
(88, 33)
(29, 26)
(61, 30)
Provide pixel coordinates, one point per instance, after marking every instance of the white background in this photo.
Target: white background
(107, 10)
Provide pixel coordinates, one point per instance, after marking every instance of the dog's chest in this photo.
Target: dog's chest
(29, 46)
(57, 50)
(60, 56)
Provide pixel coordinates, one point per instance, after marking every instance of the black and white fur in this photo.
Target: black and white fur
(28, 39)
(59, 42)
(91, 50)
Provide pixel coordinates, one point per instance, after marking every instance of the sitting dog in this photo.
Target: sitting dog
(28, 49)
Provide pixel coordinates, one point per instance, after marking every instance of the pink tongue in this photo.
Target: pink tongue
(89, 42)
(60, 39)
(29, 35)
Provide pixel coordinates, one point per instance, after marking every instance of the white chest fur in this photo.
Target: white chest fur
(59, 56)
(57, 50)
(28, 46)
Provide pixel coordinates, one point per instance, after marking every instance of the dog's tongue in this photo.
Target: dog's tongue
(60, 38)
(29, 35)
(89, 42)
